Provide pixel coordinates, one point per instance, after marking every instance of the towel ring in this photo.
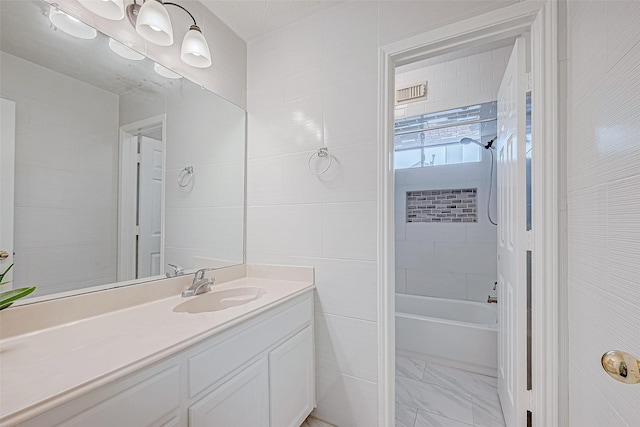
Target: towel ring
(185, 176)
(322, 152)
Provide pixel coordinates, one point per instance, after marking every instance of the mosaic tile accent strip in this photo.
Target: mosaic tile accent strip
(459, 205)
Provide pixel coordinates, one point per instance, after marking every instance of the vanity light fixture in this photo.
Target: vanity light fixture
(109, 9)
(195, 50)
(165, 72)
(70, 25)
(124, 51)
(152, 22)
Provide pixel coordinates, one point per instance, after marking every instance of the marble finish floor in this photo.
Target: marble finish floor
(431, 395)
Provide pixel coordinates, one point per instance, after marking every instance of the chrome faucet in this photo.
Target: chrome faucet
(177, 271)
(200, 284)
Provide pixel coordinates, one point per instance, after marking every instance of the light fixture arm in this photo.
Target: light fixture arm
(133, 9)
(177, 5)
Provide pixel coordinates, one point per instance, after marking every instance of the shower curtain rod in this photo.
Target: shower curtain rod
(445, 126)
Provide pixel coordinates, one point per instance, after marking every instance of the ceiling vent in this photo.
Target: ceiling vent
(411, 93)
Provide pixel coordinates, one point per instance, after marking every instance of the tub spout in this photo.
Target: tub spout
(491, 299)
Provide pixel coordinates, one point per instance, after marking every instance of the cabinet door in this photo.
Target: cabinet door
(292, 380)
(242, 401)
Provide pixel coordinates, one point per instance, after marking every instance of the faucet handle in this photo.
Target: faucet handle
(177, 270)
(200, 273)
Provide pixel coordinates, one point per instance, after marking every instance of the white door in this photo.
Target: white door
(150, 208)
(512, 242)
(7, 160)
(603, 208)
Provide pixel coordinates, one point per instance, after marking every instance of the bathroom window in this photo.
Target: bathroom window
(434, 139)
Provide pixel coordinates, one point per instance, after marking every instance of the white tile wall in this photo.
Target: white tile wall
(349, 230)
(311, 83)
(457, 261)
(603, 183)
(345, 400)
(65, 210)
(347, 345)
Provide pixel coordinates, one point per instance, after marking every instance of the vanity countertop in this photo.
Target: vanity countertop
(45, 368)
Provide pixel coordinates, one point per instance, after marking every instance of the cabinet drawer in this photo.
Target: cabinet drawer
(240, 346)
(139, 405)
(144, 399)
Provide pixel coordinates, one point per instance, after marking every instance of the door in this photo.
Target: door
(7, 167)
(150, 208)
(512, 239)
(603, 209)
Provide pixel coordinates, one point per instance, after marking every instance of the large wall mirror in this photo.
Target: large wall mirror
(121, 166)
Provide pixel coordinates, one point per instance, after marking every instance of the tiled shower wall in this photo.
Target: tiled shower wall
(446, 259)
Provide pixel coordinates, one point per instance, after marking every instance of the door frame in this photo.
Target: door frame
(540, 19)
(128, 194)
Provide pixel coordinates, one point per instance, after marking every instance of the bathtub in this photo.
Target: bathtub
(461, 334)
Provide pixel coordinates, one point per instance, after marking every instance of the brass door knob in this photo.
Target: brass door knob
(4, 254)
(621, 366)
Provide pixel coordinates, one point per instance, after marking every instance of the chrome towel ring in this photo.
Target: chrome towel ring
(185, 176)
(321, 153)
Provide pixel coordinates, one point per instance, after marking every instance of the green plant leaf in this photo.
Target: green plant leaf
(3, 306)
(3, 274)
(14, 294)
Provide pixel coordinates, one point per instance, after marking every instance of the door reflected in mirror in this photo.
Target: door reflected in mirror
(119, 170)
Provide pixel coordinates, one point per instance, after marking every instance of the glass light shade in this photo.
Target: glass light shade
(71, 25)
(195, 50)
(153, 23)
(165, 72)
(124, 51)
(109, 9)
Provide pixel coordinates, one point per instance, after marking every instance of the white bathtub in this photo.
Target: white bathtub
(462, 334)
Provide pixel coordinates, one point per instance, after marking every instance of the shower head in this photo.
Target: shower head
(469, 141)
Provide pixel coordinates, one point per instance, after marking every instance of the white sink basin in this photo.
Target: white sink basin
(220, 300)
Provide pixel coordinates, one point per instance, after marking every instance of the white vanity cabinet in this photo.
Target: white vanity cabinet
(257, 373)
(277, 390)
